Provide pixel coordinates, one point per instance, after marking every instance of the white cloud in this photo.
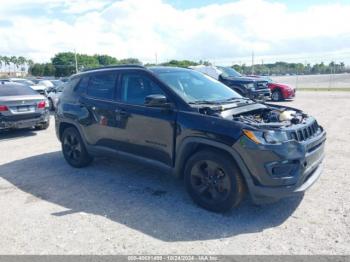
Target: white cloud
(136, 28)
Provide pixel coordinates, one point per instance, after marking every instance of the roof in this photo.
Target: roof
(164, 69)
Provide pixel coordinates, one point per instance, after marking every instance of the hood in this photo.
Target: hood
(244, 79)
(282, 85)
(38, 87)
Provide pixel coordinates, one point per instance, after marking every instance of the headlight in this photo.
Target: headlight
(266, 137)
(275, 137)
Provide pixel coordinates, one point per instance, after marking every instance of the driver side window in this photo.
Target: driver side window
(136, 87)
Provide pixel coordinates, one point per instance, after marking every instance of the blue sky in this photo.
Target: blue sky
(223, 32)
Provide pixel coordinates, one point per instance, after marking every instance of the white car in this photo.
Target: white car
(41, 89)
(54, 95)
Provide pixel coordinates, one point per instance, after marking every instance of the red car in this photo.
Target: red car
(279, 91)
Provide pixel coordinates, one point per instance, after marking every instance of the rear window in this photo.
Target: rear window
(16, 90)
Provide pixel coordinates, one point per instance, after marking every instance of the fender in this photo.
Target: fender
(188, 143)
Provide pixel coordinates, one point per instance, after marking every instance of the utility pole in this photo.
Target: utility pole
(76, 61)
(156, 58)
(253, 63)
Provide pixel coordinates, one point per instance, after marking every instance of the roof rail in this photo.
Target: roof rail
(113, 66)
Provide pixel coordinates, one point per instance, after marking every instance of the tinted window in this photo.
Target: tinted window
(136, 86)
(102, 85)
(16, 90)
(82, 86)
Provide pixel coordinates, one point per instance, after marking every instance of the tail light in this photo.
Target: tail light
(41, 104)
(3, 108)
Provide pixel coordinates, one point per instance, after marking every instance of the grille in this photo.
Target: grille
(306, 132)
(41, 92)
(261, 85)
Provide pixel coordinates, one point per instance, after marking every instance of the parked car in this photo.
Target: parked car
(54, 96)
(219, 142)
(50, 84)
(279, 91)
(4, 80)
(246, 86)
(22, 107)
(37, 87)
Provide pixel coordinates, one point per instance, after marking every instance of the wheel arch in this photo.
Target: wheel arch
(194, 144)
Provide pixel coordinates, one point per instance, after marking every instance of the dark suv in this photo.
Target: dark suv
(221, 143)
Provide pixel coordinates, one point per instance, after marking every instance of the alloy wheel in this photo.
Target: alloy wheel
(210, 182)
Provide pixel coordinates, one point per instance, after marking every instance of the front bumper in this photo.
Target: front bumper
(25, 123)
(278, 171)
(260, 94)
(289, 94)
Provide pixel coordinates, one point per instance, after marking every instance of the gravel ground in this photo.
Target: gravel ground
(114, 207)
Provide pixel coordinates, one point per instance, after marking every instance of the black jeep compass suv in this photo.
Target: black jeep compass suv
(220, 143)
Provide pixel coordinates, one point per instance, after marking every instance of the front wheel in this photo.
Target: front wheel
(276, 95)
(73, 148)
(213, 181)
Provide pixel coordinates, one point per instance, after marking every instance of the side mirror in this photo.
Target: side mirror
(157, 101)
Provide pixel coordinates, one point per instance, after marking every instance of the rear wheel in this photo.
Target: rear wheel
(213, 181)
(276, 95)
(73, 148)
(43, 126)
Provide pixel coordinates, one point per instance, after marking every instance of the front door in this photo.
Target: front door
(144, 131)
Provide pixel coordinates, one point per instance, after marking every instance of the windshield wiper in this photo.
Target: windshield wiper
(204, 102)
(234, 99)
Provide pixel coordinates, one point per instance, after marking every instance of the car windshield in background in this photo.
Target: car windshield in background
(56, 83)
(229, 72)
(60, 87)
(16, 90)
(24, 82)
(193, 86)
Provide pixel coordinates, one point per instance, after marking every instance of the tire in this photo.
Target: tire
(276, 96)
(43, 126)
(73, 148)
(213, 181)
(51, 106)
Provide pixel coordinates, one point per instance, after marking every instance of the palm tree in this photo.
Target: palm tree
(1, 60)
(21, 62)
(14, 61)
(6, 60)
(30, 64)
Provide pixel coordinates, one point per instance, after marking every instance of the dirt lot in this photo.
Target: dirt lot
(114, 207)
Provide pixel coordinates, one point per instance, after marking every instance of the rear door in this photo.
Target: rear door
(99, 103)
(144, 131)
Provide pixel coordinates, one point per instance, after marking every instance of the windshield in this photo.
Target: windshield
(56, 83)
(60, 87)
(193, 86)
(16, 90)
(229, 72)
(24, 82)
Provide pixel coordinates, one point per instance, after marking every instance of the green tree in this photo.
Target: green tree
(64, 64)
(130, 61)
(37, 69)
(49, 69)
(180, 63)
(105, 60)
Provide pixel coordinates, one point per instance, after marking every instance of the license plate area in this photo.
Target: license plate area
(21, 109)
